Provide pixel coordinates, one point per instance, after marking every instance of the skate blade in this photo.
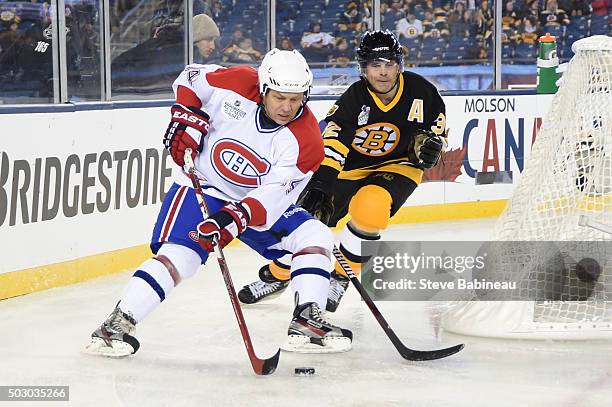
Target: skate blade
(302, 344)
(98, 347)
(267, 298)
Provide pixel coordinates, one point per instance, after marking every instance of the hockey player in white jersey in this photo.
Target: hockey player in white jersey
(255, 146)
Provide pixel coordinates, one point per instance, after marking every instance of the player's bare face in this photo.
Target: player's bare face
(382, 77)
(205, 47)
(282, 107)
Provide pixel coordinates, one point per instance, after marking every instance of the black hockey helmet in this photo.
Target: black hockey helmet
(379, 45)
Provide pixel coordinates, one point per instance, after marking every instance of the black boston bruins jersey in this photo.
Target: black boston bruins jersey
(363, 135)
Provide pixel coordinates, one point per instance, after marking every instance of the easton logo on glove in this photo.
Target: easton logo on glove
(190, 118)
(186, 129)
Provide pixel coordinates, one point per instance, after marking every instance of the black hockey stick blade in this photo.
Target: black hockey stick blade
(268, 366)
(420, 355)
(405, 352)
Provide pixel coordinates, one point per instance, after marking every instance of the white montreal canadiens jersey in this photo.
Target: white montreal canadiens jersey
(265, 168)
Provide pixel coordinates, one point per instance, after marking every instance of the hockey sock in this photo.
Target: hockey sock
(310, 277)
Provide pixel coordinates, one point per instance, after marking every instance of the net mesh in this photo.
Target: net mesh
(564, 194)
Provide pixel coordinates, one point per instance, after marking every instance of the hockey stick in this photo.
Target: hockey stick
(406, 353)
(260, 366)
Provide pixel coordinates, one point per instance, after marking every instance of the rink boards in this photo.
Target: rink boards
(80, 186)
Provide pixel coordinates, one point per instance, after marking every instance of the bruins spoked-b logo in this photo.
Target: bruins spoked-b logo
(376, 139)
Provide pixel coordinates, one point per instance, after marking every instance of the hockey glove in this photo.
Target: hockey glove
(428, 148)
(231, 220)
(317, 201)
(186, 129)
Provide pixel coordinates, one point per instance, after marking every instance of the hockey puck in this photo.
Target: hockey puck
(304, 371)
(588, 270)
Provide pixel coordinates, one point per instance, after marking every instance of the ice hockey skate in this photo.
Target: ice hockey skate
(338, 284)
(114, 337)
(309, 332)
(266, 288)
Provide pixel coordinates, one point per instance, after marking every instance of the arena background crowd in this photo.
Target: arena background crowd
(450, 42)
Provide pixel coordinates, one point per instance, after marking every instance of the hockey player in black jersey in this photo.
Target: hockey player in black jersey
(381, 133)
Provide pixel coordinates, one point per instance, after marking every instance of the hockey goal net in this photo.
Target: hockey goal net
(564, 194)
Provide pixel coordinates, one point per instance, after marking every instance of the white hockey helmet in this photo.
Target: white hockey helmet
(284, 71)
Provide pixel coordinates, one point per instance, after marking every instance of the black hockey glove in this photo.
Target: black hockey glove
(317, 201)
(428, 148)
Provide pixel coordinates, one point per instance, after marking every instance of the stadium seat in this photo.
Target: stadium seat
(525, 53)
(600, 25)
(554, 30)
(459, 41)
(507, 51)
(431, 42)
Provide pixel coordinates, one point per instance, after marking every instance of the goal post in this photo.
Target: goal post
(564, 194)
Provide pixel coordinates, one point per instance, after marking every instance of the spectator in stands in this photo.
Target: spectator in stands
(237, 36)
(473, 21)
(201, 7)
(509, 34)
(366, 13)
(528, 31)
(580, 8)
(533, 8)
(436, 27)
(218, 12)
(351, 18)
(553, 15)
(35, 62)
(471, 5)
(458, 21)
(396, 7)
(409, 27)
(485, 15)
(316, 45)
(285, 44)
(510, 17)
(342, 54)
(441, 22)
(600, 7)
(11, 35)
(243, 52)
(205, 35)
(427, 22)
(10, 43)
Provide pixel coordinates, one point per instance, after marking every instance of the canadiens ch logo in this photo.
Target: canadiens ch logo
(238, 164)
(377, 139)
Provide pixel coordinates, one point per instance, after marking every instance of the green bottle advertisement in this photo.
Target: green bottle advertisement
(547, 64)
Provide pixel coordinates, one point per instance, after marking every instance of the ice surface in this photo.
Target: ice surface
(192, 353)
